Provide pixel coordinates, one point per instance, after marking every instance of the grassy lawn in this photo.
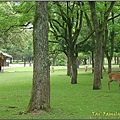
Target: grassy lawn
(67, 101)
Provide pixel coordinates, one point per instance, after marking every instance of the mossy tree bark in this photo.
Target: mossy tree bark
(40, 94)
(99, 27)
(98, 47)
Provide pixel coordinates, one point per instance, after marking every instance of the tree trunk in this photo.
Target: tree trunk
(68, 66)
(40, 94)
(54, 61)
(117, 60)
(74, 70)
(109, 65)
(97, 68)
(109, 53)
(0, 68)
(10, 60)
(92, 62)
(98, 47)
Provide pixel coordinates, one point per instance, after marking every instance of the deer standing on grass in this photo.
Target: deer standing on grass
(113, 77)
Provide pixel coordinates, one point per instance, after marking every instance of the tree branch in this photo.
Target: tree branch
(109, 9)
(82, 42)
(113, 17)
(53, 41)
(57, 22)
(23, 25)
(61, 10)
(78, 29)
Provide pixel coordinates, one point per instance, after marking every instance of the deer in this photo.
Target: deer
(113, 76)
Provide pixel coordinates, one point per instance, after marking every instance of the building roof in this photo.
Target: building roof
(5, 55)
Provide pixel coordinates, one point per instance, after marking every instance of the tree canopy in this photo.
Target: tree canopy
(71, 29)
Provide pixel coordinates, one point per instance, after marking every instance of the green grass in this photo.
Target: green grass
(76, 101)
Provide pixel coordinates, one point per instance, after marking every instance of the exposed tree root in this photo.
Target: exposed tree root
(35, 112)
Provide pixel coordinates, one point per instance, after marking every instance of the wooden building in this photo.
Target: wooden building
(3, 58)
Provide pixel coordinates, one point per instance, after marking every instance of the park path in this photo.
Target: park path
(16, 65)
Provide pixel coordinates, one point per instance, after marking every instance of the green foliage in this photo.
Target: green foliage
(18, 14)
(15, 38)
(20, 44)
(65, 23)
(117, 44)
(26, 11)
(6, 15)
(61, 59)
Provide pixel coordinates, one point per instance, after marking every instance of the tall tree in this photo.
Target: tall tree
(98, 47)
(99, 26)
(40, 94)
(66, 26)
(109, 52)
